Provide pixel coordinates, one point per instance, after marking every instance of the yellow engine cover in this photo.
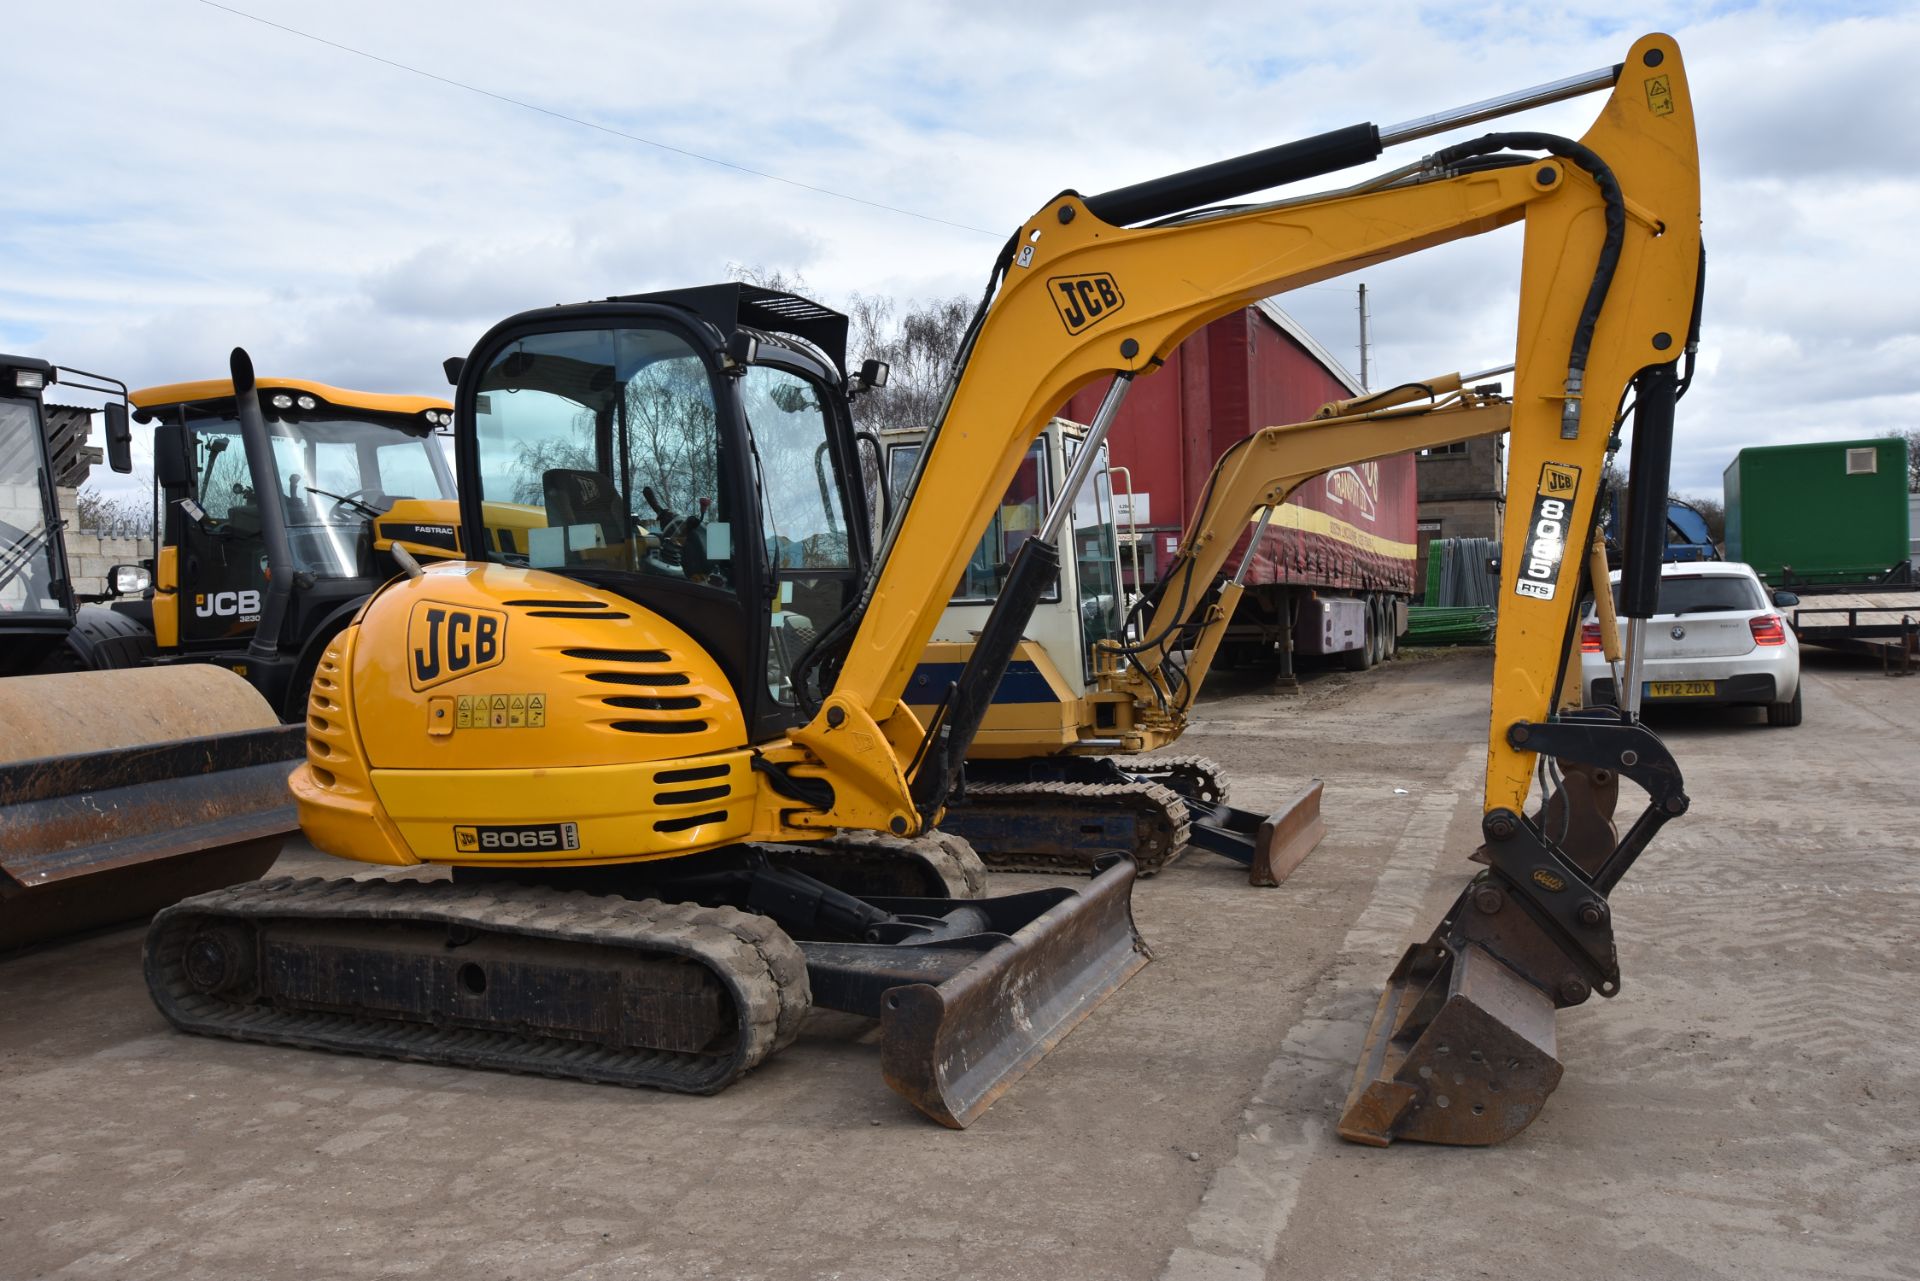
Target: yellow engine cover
(486, 714)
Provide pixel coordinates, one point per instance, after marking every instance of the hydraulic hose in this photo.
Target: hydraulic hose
(1616, 231)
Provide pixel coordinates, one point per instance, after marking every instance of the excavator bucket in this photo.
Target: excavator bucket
(125, 791)
(1460, 1051)
(962, 1019)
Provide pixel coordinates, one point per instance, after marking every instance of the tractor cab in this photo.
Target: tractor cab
(315, 503)
(39, 612)
(36, 608)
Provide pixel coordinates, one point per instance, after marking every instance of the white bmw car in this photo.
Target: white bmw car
(1719, 638)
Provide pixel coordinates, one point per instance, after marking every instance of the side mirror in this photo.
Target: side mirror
(452, 366)
(742, 350)
(119, 437)
(129, 580)
(873, 373)
(170, 466)
(1785, 599)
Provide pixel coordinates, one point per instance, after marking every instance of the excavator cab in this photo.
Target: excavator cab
(692, 450)
(1044, 695)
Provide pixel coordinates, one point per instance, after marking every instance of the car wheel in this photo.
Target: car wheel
(1785, 714)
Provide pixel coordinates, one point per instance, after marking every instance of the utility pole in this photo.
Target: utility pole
(1364, 385)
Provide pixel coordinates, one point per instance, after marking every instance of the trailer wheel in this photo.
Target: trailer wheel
(1361, 658)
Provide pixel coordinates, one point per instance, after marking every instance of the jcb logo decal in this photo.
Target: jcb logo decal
(446, 643)
(1085, 300)
(243, 605)
(1546, 543)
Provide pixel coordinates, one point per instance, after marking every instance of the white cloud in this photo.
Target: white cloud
(208, 180)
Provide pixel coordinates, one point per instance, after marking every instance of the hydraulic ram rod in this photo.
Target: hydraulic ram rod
(1321, 154)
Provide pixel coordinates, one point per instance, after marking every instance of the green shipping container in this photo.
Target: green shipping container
(1831, 512)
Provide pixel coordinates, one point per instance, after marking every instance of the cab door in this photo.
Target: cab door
(222, 556)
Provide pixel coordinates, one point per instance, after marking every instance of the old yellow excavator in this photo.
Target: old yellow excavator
(1057, 775)
(636, 768)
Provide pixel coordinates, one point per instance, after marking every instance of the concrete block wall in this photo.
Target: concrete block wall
(89, 555)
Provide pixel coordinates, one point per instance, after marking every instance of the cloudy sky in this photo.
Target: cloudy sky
(185, 176)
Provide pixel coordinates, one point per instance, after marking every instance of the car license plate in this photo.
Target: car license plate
(1680, 689)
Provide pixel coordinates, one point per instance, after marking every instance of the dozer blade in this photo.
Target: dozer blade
(962, 1020)
(1271, 846)
(1461, 1051)
(93, 838)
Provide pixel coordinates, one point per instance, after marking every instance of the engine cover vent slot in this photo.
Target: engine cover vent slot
(654, 703)
(692, 820)
(660, 727)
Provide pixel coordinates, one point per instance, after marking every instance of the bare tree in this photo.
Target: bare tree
(128, 516)
(1711, 510)
(920, 342)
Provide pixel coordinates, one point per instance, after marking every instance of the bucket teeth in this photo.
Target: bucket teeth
(1460, 1051)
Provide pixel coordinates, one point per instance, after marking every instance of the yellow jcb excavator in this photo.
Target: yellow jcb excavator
(621, 706)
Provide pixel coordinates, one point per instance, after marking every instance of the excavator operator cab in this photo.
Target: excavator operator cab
(1054, 666)
(691, 451)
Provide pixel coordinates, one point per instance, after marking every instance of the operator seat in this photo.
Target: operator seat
(576, 497)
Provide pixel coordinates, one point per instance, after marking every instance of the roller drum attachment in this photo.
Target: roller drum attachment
(124, 791)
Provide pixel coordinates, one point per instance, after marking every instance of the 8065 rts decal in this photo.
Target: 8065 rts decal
(1546, 541)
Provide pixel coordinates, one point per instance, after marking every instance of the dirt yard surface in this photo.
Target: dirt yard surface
(1749, 1106)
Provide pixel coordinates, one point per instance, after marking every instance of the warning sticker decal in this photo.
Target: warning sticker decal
(1546, 542)
(1659, 95)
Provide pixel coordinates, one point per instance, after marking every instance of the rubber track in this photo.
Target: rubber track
(1160, 815)
(946, 856)
(1207, 780)
(761, 967)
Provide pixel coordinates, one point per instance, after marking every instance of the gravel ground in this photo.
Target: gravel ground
(1749, 1106)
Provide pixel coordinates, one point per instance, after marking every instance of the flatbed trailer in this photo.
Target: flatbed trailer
(1878, 619)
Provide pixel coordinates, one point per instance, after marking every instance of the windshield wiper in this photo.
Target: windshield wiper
(348, 499)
